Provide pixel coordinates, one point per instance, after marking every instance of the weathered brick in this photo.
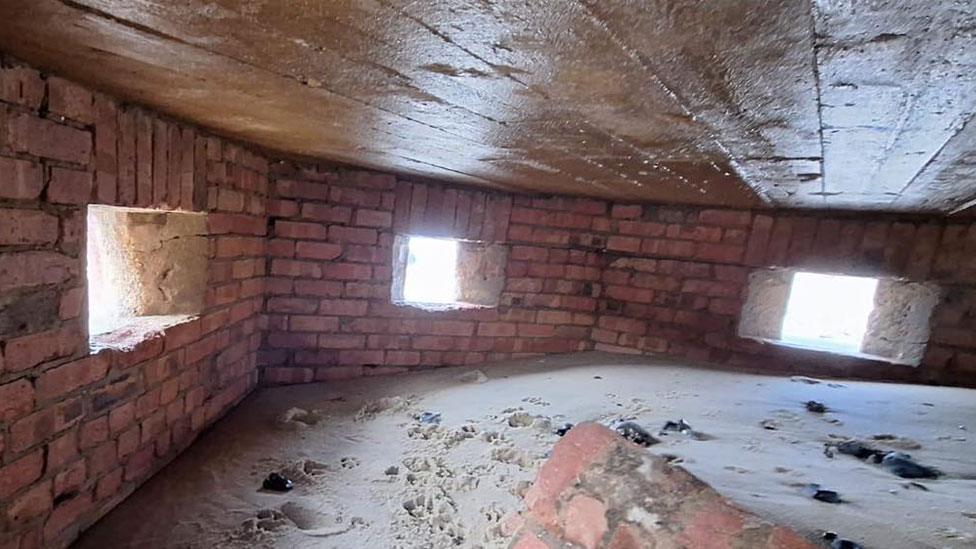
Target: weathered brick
(44, 138)
(20, 473)
(27, 227)
(59, 381)
(20, 179)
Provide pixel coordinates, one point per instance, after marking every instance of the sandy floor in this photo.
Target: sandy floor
(369, 474)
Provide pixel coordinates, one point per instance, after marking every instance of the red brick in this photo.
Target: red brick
(62, 450)
(229, 223)
(725, 218)
(353, 235)
(34, 503)
(319, 288)
(93, 433)
(347, 271)
(292, 229)
(373, 218)
(70, 478)
(16, 400)
(626, 211)
(128, 442)
(584, 445)
(28, 351)
(343, 307)
(452, 328)
(70, 186)
(624, 244)
(20, 179)
(496, 329)
(69, 100)
(65, 514)
(109, 485)
(39, 137)
(584, 521)
(350, 357)
(21, 86)
(71, 303)
(61, 380)
(27, 227)
(341, 341)
(122, 417)
(720, 253)
(20, 473)
(325, 212)
(318, 250)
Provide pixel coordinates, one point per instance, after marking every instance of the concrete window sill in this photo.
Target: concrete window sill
(128, 336)
(829, 351)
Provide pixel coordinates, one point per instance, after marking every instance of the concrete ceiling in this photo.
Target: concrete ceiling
(779, 103)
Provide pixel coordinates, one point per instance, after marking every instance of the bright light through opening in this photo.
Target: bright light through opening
(431, 273)
(828, 312)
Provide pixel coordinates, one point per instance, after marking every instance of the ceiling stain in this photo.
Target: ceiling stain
(745, 103)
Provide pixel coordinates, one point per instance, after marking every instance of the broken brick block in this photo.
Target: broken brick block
(598, 490)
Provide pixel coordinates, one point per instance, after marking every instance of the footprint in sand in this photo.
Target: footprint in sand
(538, 401)
(297, 419)
(315, 523)
(494, 437)
(349, 462)
(521, 419)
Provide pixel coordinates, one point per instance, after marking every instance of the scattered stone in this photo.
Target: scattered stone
(476, 376)
(804, 379)
(904, 466)
(597, 377)
(859, 450)
(837, 542)
(770, 424)
(392, 471)
(431, 418)
(919, 485)
(827, 496)
(277, 483)
(816, 407)
(681, 426)
(635, 433)
(894, 441)
(563, 429)
(298, 418)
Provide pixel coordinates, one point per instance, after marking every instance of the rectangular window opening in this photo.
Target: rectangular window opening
(431, 271)
(146, 270)
(876, 318)
(444, 273)
(828, 312)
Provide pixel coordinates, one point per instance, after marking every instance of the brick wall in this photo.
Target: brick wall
(78, 432)
(676, 279)
(581, 274)
(329, 313)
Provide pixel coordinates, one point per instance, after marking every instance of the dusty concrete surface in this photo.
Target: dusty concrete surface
(370, 474)
(787, 103)
(144, 263)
